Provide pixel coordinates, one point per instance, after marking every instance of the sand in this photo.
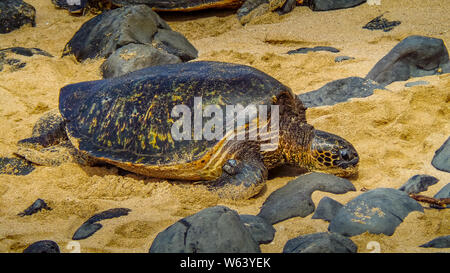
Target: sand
(396, 131)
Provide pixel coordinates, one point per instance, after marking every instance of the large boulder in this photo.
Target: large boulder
(376, 211)
(138, 24)
(14, 14)
(294, 199)
(322, 242)
(414, 56)
(212, 230)
(339, 91)
(133, 57)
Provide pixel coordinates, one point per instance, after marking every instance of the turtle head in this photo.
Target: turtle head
(333, 154)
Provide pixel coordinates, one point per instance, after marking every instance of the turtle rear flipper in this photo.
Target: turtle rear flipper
(49, 144)
(15, 166)
(37, 150)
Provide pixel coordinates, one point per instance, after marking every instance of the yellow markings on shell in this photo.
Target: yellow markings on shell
(148, 114)
(92, 125)
(177, 98)
(152, 140)
(140, 160)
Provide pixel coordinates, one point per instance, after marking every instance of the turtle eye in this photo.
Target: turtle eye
(345, 154)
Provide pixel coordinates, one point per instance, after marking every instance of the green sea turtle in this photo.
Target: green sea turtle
(130, 122)
(248, 8)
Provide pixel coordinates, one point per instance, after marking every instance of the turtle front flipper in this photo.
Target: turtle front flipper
(241, 178)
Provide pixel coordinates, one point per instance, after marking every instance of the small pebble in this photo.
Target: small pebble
(37, 206)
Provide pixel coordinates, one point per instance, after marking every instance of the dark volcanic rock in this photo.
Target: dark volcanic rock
(339, 91)
(439, 242)
(15, 166)
(304, 50)
(260, 230)
(418, 183)
(339, 59)
(380, 23)
(175, 43)
(323, 242)
(14, 14)
(91, 226)
(376, 211)
(441, 159)
(45, 246)
(133, 57)
(444, 192)
(294, 199)
(323, 5)
(212, 230)
(414, 56)
(37, 206)
(327, 209)
(104, 34)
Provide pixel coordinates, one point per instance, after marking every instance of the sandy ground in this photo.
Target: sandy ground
(396, 132)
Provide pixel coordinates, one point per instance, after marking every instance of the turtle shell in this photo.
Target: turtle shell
(128, 119)
(181, 5)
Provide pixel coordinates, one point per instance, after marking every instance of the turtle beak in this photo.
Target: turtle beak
(333, 154)
(348, 158)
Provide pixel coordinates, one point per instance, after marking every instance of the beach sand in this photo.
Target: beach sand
(395, 131)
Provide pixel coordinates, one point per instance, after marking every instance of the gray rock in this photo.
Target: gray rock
(418, 183)
(444, 192)
(327, 209)
(133, 57)
(176, 44)
(91, 226)
(261, 231)
(212, 230)
(416, 83)
(137, 24)
(14, 14)
(376, 211)
(37, 206)
(44, 246)
(439, 242)
(339, 59)
(294, 199)
(339, 91)
(323, 5)
(441, 159)
(414, 56)
(380, 23)
(304, 50)
(323, 242)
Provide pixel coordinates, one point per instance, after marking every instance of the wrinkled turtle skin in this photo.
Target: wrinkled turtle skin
(129, 122)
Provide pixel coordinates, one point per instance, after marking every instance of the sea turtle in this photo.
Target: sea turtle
(248, 8)
(135, 121)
